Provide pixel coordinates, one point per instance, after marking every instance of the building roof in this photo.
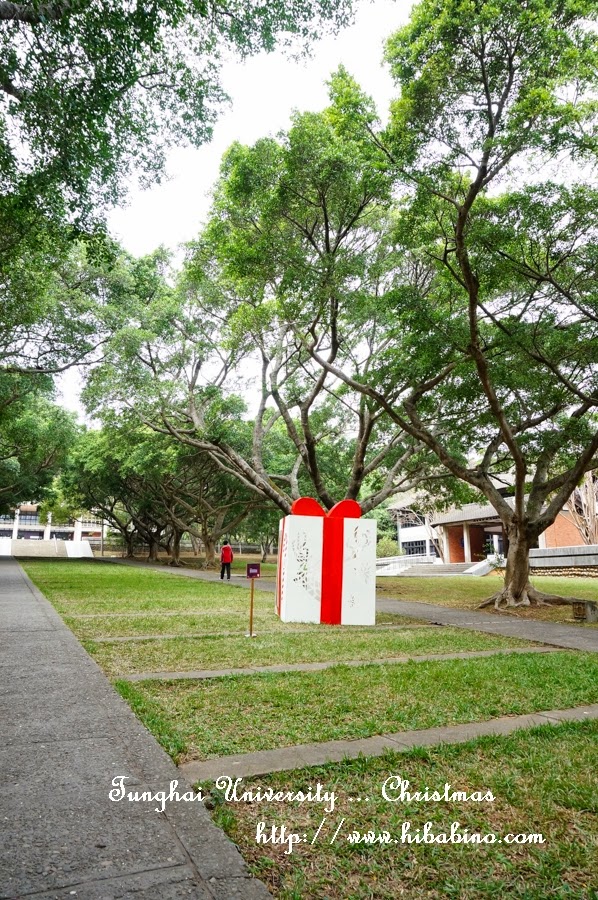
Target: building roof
(470, 512)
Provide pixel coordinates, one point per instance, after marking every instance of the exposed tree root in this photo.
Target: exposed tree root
(529, 596)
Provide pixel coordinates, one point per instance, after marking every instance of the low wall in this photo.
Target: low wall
(570, 572)
(47, 549)
(565, 558)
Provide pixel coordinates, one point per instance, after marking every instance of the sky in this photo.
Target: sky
(264, 91)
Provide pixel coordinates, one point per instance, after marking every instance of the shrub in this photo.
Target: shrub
(387, 547)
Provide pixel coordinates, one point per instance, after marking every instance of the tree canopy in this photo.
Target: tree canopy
(492, 144)
(93, 91)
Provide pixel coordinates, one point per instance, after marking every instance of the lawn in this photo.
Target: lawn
(327, 643)
(467, 592)
(261, 712)
(543, 780)
(103, 600)
(76, 588)
(189, 561)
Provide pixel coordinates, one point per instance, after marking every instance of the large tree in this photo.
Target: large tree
(92, 90)
(298, 223)
(181, 360)
(35, 437)
(494, 362)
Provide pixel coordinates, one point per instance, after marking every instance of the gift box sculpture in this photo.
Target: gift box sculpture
(326, 565)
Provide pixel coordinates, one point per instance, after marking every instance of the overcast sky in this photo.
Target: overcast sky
(264, 91)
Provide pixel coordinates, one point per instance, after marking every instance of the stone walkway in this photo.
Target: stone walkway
(260, 633)
(245, 765)
(572, 637)
(65, 735)
(320, 666)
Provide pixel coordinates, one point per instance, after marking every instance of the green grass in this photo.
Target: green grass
(86, 587)
(262, 712)
(465, 592)
(208, 621)
(101, 600)
(268, 569)
(543, 780)
(328, 643)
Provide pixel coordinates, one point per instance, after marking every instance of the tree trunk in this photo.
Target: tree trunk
(153, 551)
(517, 589)
(129, 538)
(210, 553)
(266, 547)
(175, 549)
(195, 544)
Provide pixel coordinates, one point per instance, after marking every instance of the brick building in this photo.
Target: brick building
(469, 533)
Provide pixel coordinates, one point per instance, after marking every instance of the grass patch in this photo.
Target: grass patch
(543, 781)
(189, 561)
(76, 587)
(206, 622)
(99, 600)
(465, 592)
(327, 644)
(152, 715)
(262, 712)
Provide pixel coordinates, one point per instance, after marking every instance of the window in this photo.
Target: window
(418, 548)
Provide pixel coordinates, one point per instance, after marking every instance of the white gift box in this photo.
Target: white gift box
(326, 565)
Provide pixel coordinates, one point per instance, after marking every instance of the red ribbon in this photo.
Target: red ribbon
(332, 551)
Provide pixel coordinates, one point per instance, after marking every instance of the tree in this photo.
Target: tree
(183, 354)
(59, 303)
(93, 89)
(493, 364)
(35, 436)
(149, 487)
(583, 508)
(261, 526)
(91, 480)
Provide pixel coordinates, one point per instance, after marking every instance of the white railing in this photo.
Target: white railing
(390, 565)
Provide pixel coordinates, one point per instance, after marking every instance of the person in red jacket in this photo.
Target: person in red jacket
(226, 558)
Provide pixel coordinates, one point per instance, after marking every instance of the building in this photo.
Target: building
(469, 533)
(24, 524)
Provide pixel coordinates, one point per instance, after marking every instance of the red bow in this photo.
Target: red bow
(345, 509)
(332, 551)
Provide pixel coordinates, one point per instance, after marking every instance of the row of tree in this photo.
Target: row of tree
(374, 308)
(151, 491)
(92, 93)
(413, 301)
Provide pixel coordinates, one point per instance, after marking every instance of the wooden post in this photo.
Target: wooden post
(253, 572)
(251, 609)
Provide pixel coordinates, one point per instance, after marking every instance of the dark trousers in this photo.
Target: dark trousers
(223, 567)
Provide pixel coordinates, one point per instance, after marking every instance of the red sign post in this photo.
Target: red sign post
(253, 572)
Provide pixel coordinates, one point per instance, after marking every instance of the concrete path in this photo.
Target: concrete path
(245, 765)
(573, 637)
(65, 735)
(320, 666)
(309, 629)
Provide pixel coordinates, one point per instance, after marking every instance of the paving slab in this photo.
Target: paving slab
(66, 735)
(262, 762)
(571, 637)
(280, 668)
